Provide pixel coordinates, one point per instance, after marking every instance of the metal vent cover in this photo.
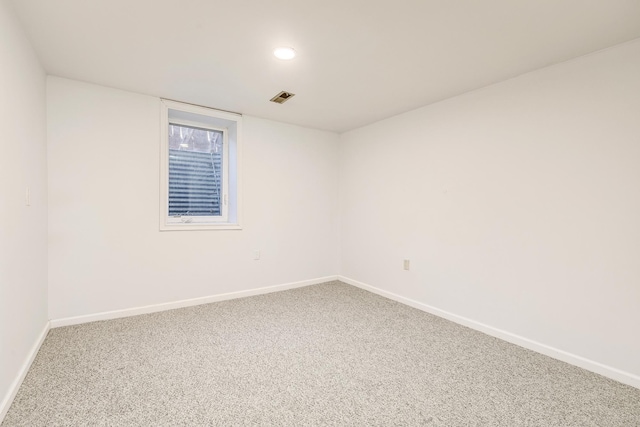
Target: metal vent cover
(282, 97)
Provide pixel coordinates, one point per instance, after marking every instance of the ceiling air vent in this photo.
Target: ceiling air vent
(282, 97)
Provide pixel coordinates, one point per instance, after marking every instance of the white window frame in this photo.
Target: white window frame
(209, 119)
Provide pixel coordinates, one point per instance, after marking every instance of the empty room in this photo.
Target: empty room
(294, 213)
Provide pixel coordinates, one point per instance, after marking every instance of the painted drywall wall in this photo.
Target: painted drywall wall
(518, 206)
(105, 248)
(23, 247)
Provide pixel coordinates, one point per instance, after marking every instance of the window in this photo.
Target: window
(199, 158)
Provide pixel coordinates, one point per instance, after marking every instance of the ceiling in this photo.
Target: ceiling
(358, 61)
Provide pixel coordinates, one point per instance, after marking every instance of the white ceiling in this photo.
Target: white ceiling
(358, 60)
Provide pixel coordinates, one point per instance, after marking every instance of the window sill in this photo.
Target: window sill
(199, 227)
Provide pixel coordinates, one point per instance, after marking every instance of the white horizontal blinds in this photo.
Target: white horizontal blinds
(195, 171)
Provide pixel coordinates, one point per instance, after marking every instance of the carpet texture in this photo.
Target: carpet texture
(328, 354)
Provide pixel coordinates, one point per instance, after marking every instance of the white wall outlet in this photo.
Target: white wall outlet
(256, 254)
(406, 264)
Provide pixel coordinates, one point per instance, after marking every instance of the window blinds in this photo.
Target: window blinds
(195, 183)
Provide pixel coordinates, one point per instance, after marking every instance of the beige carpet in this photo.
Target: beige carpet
(328, 354)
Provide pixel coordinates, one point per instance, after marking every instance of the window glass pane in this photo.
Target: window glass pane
(195, 171)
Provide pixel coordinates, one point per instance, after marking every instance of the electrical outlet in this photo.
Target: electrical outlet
(406, 264)
(256, 254)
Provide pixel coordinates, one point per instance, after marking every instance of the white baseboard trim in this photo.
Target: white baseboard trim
(115, 314)
(17, 382)
(590, 365)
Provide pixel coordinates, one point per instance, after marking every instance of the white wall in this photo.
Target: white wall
(23, 234)
(105, 250)
(518, 206)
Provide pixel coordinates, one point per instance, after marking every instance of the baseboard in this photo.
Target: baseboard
(107, 315)
(17, 382)
(590, 365)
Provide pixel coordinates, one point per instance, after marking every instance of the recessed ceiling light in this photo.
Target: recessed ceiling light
(284, 53)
